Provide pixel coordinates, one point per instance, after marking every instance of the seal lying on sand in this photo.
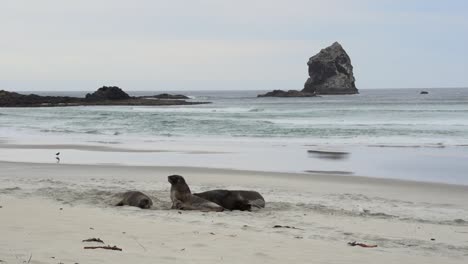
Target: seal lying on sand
(234, 200)
(183, 199)
(135, 198)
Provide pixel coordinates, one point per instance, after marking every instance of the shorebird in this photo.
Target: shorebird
(57, 157)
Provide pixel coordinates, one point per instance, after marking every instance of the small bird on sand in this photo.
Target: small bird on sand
(57, 157)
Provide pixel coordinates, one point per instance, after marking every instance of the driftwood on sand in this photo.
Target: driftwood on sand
(291, 227)
(354, 243)
(105, 247)
(93, 240)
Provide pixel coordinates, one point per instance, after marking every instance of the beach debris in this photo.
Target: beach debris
(353, 244)
(91, 228)
(290, 227)
(211, 233)
(60, 208)
(105, 247)
(30, 257)
(432, 239)
(182, 249)
(93, 240)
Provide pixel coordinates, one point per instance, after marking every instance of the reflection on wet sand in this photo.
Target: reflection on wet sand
(334, 155)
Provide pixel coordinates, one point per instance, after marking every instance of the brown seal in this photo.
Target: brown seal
(135, 198)
(182, 197)
(234, 200)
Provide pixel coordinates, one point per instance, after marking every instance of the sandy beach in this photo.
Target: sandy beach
(136, 132)
(48, 209)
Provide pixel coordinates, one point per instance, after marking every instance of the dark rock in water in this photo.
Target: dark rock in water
(331, 72)
(168, 96)
(103, 96)
(107, 93)
(290, 93)
(424, 92)
(12, 99)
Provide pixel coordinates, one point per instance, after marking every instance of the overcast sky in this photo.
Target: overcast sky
(223, 44)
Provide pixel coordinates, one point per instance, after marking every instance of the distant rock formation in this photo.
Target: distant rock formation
(168, 96)
(12, 99)
(103, 96)
(290, 93)
(107, 93)
(331, 72)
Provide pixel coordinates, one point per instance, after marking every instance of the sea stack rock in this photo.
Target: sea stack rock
(330, 72)
(107, 93)
(290, 93)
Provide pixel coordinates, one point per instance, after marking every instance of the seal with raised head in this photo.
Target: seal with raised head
(234, 200)
(182, 197)
(137, 199)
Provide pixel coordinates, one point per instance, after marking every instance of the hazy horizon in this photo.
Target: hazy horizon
(229, 45)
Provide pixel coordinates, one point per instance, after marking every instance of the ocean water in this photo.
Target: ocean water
(392, 116)
(391, 133)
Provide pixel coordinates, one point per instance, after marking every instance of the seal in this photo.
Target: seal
(135, 198)
(182, 197)
(234, 200)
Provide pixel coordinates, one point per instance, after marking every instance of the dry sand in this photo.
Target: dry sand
(328, 211)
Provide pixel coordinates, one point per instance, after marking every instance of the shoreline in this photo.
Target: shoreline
(419, 164)
(312, 176)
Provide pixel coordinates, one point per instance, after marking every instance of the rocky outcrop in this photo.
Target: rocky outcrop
(103, 96)
(290, 93)
(330, 72)
(167, 96)
(12, 99)
(107, 93)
